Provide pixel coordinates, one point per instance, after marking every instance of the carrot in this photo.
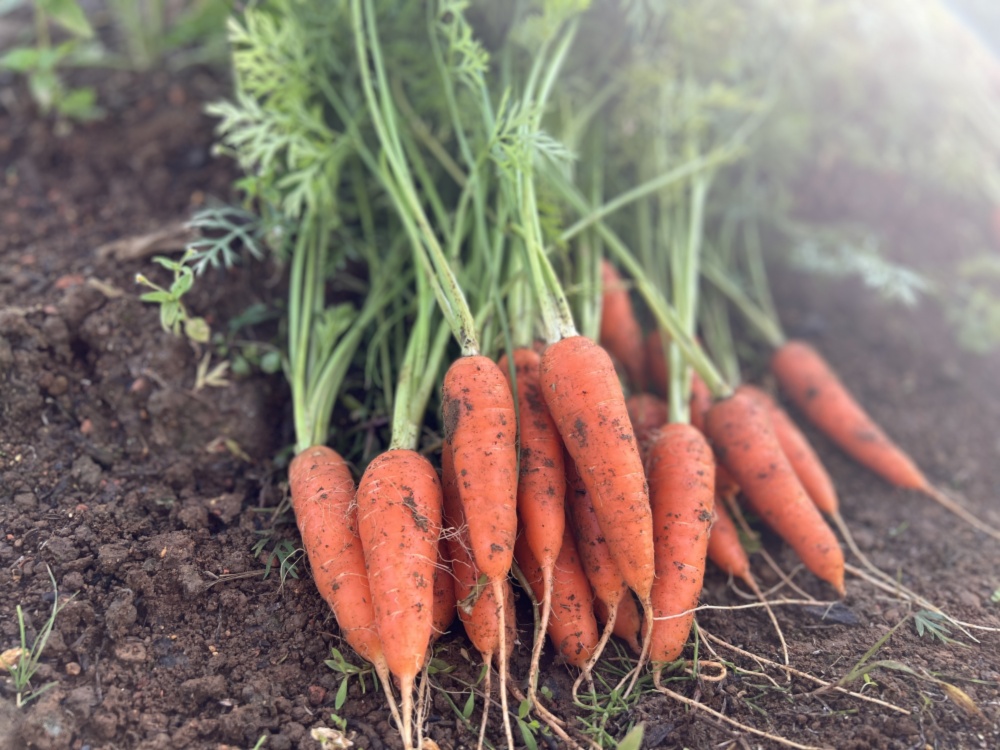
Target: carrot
(444, 594)
(726, 551)
(477, 604)
(572, 627)
(701, 401)
(586, 401)
(744, 441)
(541, 484)
(399, 523)
(724, 547)
(620, 332)
(800, 454)
(322, 492)
(682, 492)
(647, 414)
(628, 623)
(816, 390)
(480, 426)
(598, 565)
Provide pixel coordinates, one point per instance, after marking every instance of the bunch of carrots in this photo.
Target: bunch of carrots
(597, 464)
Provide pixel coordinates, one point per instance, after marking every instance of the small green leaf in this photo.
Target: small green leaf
(197, 329)
(170, 312)
(168, 263)
(995, 597)
(527, 735)
(69, 15)
(21, 59)
(469, 707)
(80, 104)
(45, 88)
(632, 740)
(183, 283)
(341, 698)
(523, 709)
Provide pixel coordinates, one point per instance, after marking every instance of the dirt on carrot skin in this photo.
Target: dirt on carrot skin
(112, 475)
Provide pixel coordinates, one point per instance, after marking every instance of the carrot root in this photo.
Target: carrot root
(722, 717)
(939, 496)
(487, 698)
(588, 668)
(540, 632)
(498, 594)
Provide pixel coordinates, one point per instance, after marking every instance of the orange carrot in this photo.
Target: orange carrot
(628, 623)
(480, 424)
(599, 566)
(444, 594)
(477, 607)
(542, 476)
(477, 603)
(799, 452)
(620, 332)
(816, 390)
(541, 484)
(399, 523)
(813, 387)
(725, 485)
(322, 492)
(682, 491)
(701, 401)
(726, 550)
(572, 627)
(724, 547)
(741, 433)
(647, 414)
(586, 401)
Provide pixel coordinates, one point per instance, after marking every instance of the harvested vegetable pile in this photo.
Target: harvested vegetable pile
(529, 238)
(451, 166)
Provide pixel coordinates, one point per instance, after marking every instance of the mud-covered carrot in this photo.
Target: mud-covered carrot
(478, 608)
(541, 484)
(480, 426)
(743, 439)
(588, 406)
(322, 493)
(682, 491)
(620, 333)
(600, 567)
(811, 384)
(572, 626)
(444, 594)
(399, 522)
(800, 454)
(648, 414)
(628, 623)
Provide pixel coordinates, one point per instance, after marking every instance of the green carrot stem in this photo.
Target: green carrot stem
(666, 316)
(765, 325)
(451, 300)
(689, 168)
(685, 286)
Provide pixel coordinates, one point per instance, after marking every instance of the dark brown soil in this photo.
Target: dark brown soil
(116, 475)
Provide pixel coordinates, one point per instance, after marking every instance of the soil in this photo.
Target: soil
(142, 495)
